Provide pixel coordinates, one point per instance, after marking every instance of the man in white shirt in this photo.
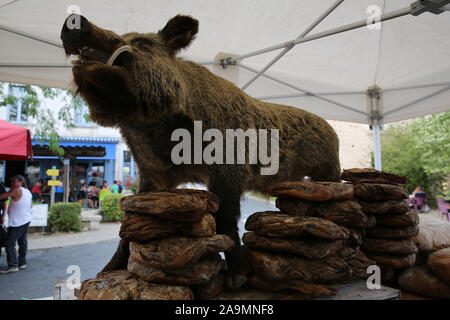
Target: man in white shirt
(19, 218)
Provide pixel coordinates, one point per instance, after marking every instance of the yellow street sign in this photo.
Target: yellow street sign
(53, 182)
(52, 172)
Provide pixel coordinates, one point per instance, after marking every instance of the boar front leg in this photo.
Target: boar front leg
(229, 192)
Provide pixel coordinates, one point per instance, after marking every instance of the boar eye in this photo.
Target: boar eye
(142, 42)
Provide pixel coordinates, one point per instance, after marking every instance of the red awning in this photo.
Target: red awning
(15, 142)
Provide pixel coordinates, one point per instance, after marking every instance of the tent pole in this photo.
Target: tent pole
(323, 34)
(374, 94)
(286, 49)
(309, 93)
(207, 63)
(376, 144)
(419, 86)
(53, 65)
(34, 65)
(299, 95)
(428, 96)
(30, 36)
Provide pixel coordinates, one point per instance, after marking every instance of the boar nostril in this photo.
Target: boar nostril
(75, 22)
(75, 25)
(74, 29)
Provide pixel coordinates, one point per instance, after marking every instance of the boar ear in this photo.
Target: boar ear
(179, 32)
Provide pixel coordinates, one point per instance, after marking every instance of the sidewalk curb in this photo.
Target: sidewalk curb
(72, 244)
(107, 232)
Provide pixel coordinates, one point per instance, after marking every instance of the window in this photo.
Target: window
(126, 156)
(79, 116)
(17, 113)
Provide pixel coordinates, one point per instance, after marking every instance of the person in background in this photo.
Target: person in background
(114, 188)
(93, 193)
(81, 194)
(45, 190)
(36, 191)
(59, 192)
(420, 199)
(119, 184)
(82, 191)
(3, 206)
(19, 213)
(44, 186)
(419, 192)
(105, 185)
(2, 203)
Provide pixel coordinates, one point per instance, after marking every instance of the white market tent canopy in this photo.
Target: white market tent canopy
(320, 56)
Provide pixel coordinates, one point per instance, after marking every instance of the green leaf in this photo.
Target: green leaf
(45, 123)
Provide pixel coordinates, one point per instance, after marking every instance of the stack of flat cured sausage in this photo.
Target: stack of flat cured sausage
(174, 249)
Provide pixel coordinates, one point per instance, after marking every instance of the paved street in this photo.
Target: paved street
(46, 266)
(250, 206)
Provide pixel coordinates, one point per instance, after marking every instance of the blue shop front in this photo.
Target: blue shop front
(88, 170)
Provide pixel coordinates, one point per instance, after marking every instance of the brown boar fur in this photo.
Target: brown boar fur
(150, 92)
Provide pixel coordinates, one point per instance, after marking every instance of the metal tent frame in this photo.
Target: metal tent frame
(374, 93)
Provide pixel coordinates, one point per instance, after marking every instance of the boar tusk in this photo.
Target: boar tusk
(116, 53)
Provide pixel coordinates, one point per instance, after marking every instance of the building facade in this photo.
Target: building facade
(117, 164)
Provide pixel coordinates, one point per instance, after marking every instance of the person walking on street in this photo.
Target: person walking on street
(119, 183)
(19, 214)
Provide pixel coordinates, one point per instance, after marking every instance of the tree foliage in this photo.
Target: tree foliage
(433, 141)
(110, 207)
(46, 120)
(65, 217)
(419, 149)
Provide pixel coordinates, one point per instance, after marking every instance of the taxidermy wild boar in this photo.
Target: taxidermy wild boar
(147, 92)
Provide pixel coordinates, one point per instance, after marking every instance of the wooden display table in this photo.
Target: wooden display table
(356, 290)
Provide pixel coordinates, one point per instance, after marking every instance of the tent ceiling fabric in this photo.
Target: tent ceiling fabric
(407, 51)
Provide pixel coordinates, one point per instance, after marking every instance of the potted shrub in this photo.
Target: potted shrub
(65, 216)
(110, 207)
